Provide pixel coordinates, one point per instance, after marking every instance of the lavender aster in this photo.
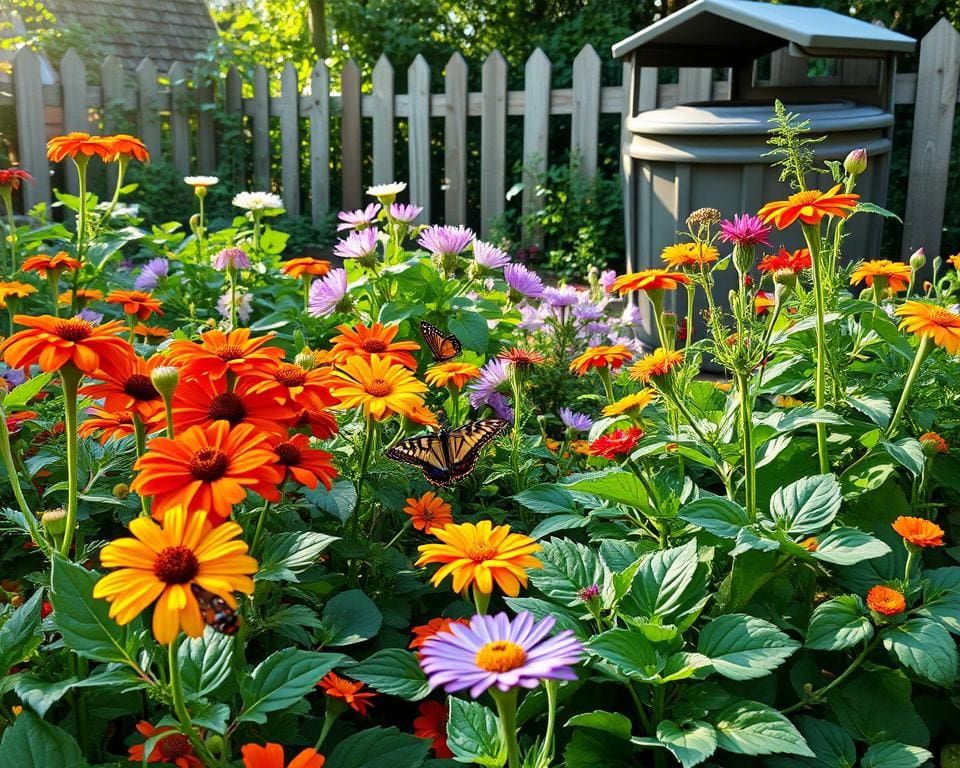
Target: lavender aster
(244, 306)
(151, 274)
(523, 281)
(231, 258)
(606, 279)
(564, 296)
(744, 230)
(359, 245)
(489, 256)
(358, 219)
(14, 377)
(405, 213)
(501, 406)
(587, 310)
(484, 390)
(327, 293)
(446, 240)
(579, 422)
(492, 650)
(632, 316)
(531, 318)
(94, 318)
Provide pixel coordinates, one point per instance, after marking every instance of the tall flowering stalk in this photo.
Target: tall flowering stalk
(10, 179)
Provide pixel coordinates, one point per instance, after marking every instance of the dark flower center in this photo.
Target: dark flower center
(73, 330)
(176, 565)
(289, 454)
(228, 352)
(175, 746)
(374, 345)
(139, 387)
(290, 375)
(228, 407)
(209, 464)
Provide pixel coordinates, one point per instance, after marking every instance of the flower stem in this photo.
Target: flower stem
(924, 348)
(140, 435)
(7, 196)
(691, 298)
(180, 707)
(819, 694)
(811, 234)
(746, 437)
(260, 519)
(604, 374)
(507, 711)
(481, 600)
(231, 274)
(398, 534)
(70, 377)
(546, 752)
(14, 478)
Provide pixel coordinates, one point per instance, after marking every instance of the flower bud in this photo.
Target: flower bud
(918, 259)
(305, 360)
(856, 162)
(785, 278)
(55, 521)
(121, 491)
(165, 379)
(743, 256)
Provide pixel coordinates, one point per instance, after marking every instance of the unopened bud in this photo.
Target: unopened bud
(165, 379)
(785, 278)
(305, 360)
(55, 520)
(856, 162)
(121, 491)
(918, 259)
(743, 256)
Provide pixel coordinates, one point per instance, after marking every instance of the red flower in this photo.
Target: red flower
(432, 725)
(796, 262)
(11, 177)
(616, 443)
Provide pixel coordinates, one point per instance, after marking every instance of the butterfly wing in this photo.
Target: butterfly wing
(428, 454)
(443, 347)
(466, 443)
(215, 611)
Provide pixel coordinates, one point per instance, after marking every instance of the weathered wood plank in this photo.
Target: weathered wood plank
(179, 118)
(112, 81)
(383, 126)
(319, 113)
(290, 140)
(261, 128)
(646, 91)
(455, 141)
(73, 78)
(695, 84)
(148, 108)
(418, 85)
(233, 101)
(31, 127)
(205, 95)
(788, 70)
(586, 109)
(493, 133)
(938, 72)
(350, 136)
(536, 133)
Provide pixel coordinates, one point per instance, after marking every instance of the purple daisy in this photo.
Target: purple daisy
(231, 258)
(523, 281)
(489, 256)
(14, 377)
(501, 406)
(484, 390)
(446, 240)
(564, 296)
(358, 219)
(405, 213)
(587, 310)
(531, 318)
(151, 274)
(358, 245)
(94, 318)
(327, 293)
(492, 650)
(606, 279)
(744, 230)
(574, 420)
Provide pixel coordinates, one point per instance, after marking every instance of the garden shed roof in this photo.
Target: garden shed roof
(733, 32)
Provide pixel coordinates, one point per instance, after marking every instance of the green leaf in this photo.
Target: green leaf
(542, 608)
(33, 743)
(281, 680)
(339, 501)
(941, 598)
(628, 651)
(752, 728)
(473, 734)
(20, 634)
(610, 722)
(211, 716)
(742, 647)
(805, 506)
(691, 742)
(925, 647)
(591, 749)
(877, 209)
(877, 706)
(350, 617)
(205, 662)
(908, 452)
(568, 567)
(832, 745)
(393, 671)
(472, 330)
(287, 554)
(716, 515)
(22, 394)
(379, 747)
(670, 586)
(615, 486)
(890, 754)
(557, 523)
(840, 623)
(876, 407)
(547, 499)
(848, 546)
(40, 695)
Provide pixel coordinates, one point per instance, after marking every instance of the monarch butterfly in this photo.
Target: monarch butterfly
(448, 456)
(215, 611)
(443, 346)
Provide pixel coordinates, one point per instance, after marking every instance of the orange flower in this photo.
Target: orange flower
(418, 413)
(432, 725)
(42, 263)
(340, 688)
(174, 748)
(810, 544)
(77, 143)
(934, 443)
(128, 387)
(112, 425)
(795, 262)
(954, 261)
(886, 601)
(15, 420)
(271, 756)
(762, 303)
(810, 206)
(581, 446)
(53, 342)
(919, 532)
(206, 468)
(458, 374)
(428, 512)
(689, 255)
(136, 303)
(125, 145)
(14, 290)
(151, 333)
(649, 280)
(308, 466)
(381, 387)
(894, 275)
(321, 424)
(424, 632)
(219, 352)
(84, 296)
(940, 324)
(375, 340)
(521, 358)
(204, 401)
(305, 266)
(600, 357)
(636, 401)
(300, 388)
(657, 364)
(479, 555)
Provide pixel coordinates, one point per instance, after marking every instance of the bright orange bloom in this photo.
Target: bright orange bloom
(886, 601)
(432, 725)
(636, 401)
(305, 266)
(795, 262)
(810, 544)
(649, 280)
(810, 206)
(340, 688)
(84, 296)
(918, 531)
(375, 340)
(689, 255)
(203, 401)
(424, 632)
(479, 555)
(219, 352)
(43, 263)
(112, 425)
(151, 333)
(954, 261)
(521, 358)
(600, 357)
(381, 387)
(299, 387)
(787, 401)
(657, 364)
(125, 145)
(128, 387)
(321, 424)
(271, 756)
(763, 303)
(308, 466)
(418, 413)
(53, 342)
(136, 303)
(940, 324)
(174, 748)
(206, 468)
(77, 143)
(934, 443)
(580, 446)
(428, 512)
(14, 290)
(458, 374)
(894, 275)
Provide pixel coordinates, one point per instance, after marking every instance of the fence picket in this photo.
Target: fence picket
(695, 84)
(319, 113)
(493, 140)
(586, 109)
(455, 141)
(418, 86)
(350, 136)
(113, 83)
(73, 79)
(148, 107)
(205, 93)
(383, 125)
(290, 139)
(536, 132)
(179, 118)
(31, 127)
(260, 115)
(233, 101)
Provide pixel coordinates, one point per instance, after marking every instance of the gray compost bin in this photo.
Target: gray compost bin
(710, 153)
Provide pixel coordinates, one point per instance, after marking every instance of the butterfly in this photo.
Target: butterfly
(215, 611)
(449, 455)
(444, 347)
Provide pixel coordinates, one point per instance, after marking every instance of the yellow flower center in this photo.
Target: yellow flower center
(378, 388)
(944, 318)
(805, 198)
(481, 551)
(500, 656)
(73, 330)
(176, 565)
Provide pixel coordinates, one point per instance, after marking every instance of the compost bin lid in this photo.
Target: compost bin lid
(724, 33)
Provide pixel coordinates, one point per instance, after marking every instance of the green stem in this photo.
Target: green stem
(507, 712)
(399, 533)
(53, 279)
(14, 478)
(168, 412)
(260, 519)
(7, 196)
(140, 436)
(369, 438)
(604, 374)
(231, 275)
(307, 279)
(70, 377)
(659, 697)
(819, 694)
(180, 707)
(481, 600)
(746, 437)
(691, 297)
(329, 719)
(811, 234)
(546, 752)
(201, 229)
(908, 568)
(923, 349)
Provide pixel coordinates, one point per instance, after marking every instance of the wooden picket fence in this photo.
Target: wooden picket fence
(180, 103)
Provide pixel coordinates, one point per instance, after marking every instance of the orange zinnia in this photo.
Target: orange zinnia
(305, 266)
(428, 512)
(209, 468)
(53, 342)
(479, 555)
(308, 466)
(299, 387)
(810, 206)
(424, 632)
(418, 413)
(172, 748)
(918, 531)
(77, 143)
(689, 255)
(933, 443)
(381, 387)
(136, 303)
(894, 275)
(941, 325)
(271, 756)
(375, 340)
(657, 364)
(14, 290)
(219, 352)
(113, 425)
(648, 280)
(320, 423)
(340, 688)
(203, 401)
(125, 145)
(150, 332)
(458, 374)
(43, 263)
(886, 601)
(600, 357)
(128, 387)
(84, 296)
(635, 401)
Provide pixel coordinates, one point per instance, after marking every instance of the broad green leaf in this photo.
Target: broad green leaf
(22, 394)
(877, 706)
(805, 506)
(33, 743)
(542, 608)
(281, 680)
(473, 734)
(379, 747)
(628, 651)
(890, 754)
(205, 662)
(617, 554)
(847, 546)
(568, 568)
(716, 515)
(610, 722)
(616, 486)
(350, 617)
(749, 539)
(840, 623)
(557, 523)
(691, 742)
(40, 695)
(285, 555)
(832, 745)
(670, 586)
(752, 728)
(742, 647)
(878, 210)
(339, 501)
(591, 748)
(472, 330)
(925, 647)
(876, 407)
(941, 597)
(393, 671)
(908, 452)
(210, 715)
(20, 634)
(547, 499)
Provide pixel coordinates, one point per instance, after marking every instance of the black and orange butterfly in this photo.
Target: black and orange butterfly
(216, 611)
(449, 455)
(443, 346)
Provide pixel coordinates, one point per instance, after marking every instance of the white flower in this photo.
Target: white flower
(390, 190)
(200, 181)
(258, 201)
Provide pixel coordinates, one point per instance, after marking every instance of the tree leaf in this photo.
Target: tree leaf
(629, 651)
(716, 515)
(890, 754)
(941, 597)
(670, 586)
(20, 634)
(616, 486)
(350, 617)
(742, 647)
(568, 568)
(847, 546)
(378, 747)
(752, 728)
(547, 499)
(925, 647)
(840, 623)
(690, 742)
(281, 680)
(473, 734)
(393, 671)
(610, 722)
(877, 706)
(33, 743)
(287, 554)
(205, 662)
(805, 506)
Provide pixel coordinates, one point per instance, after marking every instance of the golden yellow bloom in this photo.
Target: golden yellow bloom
(457, 374)
(657, 364)
(894, 275)
(689, 255)
(635, 401)
(381, 386)
(940, 324)
(786, 401)
(14, 290)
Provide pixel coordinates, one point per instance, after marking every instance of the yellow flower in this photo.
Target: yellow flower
(940, 324)
(894, 275)
(635, 401)
(381, 386)
(457, 373)
(656, 365)
(689, 255)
